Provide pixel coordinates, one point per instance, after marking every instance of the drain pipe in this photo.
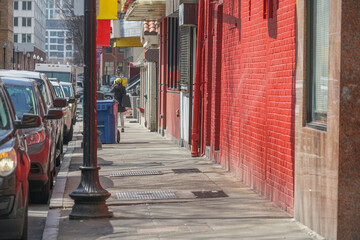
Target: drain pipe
(197, 82)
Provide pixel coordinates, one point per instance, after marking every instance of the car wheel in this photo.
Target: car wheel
(118, 136)
(44, 194)
(69, 136)
(61, 155)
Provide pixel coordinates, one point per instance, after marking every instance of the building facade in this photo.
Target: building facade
(269, 90)
(6, 34)
(59, 41)
(29, 33)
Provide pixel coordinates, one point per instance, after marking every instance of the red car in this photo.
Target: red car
(14, 169)
(41, 141)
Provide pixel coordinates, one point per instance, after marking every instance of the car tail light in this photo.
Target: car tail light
(8, 161)
(35, 138)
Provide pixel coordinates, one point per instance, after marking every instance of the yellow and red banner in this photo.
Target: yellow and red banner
(108, 10)
(103, 33)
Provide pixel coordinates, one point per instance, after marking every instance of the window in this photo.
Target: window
(53, 33)
(61, 47)
(23, 99)
(173, 56)
(68, 54)
(108, 49)
(52, 40)
(53, 47)
(15, 38)
(60, 41)
(16, 5)
(16, 21)
(26, 22)
(28, 38)
(317, 63)
(68, 47)
(26, 5)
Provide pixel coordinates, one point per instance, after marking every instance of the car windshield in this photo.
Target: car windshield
(4, 117)
(23, 98)
(105, 88)
(42, 87)
(68, 90)
(62, 76)
(59, 92)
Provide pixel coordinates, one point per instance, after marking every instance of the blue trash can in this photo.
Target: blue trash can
(107, 120)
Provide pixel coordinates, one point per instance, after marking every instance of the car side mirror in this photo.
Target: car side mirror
(71, 100)
(54, 114)
(28, 121)
(60, 102)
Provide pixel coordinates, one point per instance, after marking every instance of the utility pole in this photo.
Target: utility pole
(90, 196)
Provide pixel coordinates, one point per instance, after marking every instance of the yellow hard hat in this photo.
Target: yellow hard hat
(118, 80)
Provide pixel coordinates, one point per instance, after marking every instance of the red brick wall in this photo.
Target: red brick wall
(216, 78)
(257, 99)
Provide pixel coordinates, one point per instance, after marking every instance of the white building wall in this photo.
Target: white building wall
(37, 28)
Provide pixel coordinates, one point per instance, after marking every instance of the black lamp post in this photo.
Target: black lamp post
(24, 59)
(34, 58)
(4, 48)
(13, 58)
(90, 196)
(28, 61)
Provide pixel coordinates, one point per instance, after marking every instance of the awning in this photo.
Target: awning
(127, 42)
(145, 10)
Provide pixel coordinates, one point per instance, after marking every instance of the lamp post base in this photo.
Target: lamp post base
(90, 197)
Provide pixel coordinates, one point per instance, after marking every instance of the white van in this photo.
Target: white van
(63, 72)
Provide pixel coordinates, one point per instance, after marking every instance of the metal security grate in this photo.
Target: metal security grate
(186, 170)
(210, 194)
(135, 173)
(148, 195)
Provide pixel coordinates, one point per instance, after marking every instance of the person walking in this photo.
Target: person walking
(119, 91)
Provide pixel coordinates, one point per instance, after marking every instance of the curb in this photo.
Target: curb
(51, 228)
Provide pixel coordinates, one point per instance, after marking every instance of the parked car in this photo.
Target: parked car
(106, 90)
(14, 169)
(49, 96)
(71, 98)
(41, 141)
(68, 126)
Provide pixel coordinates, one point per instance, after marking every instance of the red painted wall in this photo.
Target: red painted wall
(169, 99)
(172, 110)
(257, 95)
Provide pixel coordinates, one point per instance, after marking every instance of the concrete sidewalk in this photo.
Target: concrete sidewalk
(151, 181)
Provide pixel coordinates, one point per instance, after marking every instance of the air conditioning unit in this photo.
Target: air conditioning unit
(188, 14)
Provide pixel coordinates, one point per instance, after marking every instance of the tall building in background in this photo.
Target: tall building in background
(59, 43)
(6, 33)
(29, 33)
